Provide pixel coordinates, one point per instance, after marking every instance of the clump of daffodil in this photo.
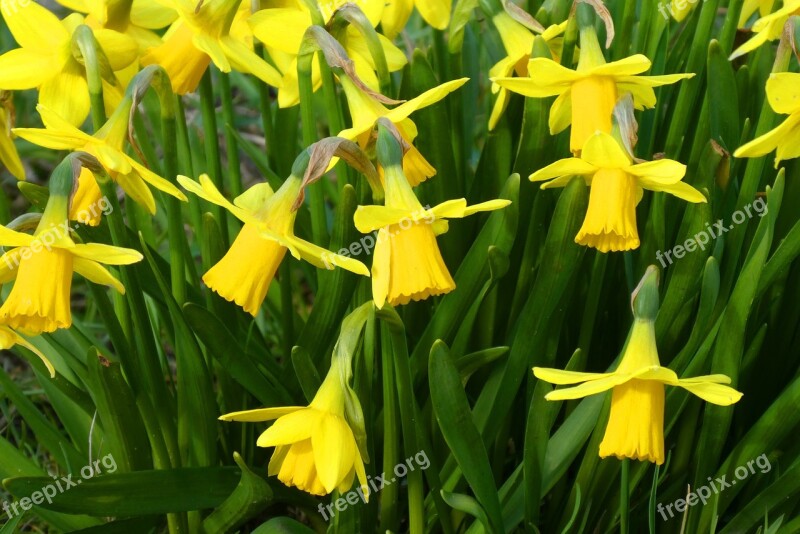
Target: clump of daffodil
(281, 30)
(768, 27)
(9, 157)
(244, 274)
(407, 264)
(783, 93)
(365, 110)
(322, 447)
(42, 264)
(202, 34)
(9, 338)
(108, 146)
(396, 14)
(616, 188)
(635, 427)
(587, 95)
(518, 43)
(45, 60)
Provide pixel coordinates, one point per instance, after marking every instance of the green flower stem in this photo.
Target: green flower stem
(234, 171)
(177, 237)
(624, 504)
(391, 453)
(185, 164)
(213, 161)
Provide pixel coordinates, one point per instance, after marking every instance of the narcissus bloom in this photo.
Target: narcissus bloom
(45, 60)
(764, 7)
(9, 157)
(396, 15)
(244, 274)
(407, 264)
(202, 34)
(9, 338)
(769, 27)
(315, 447)
(518, 43)
(42, 265)
(587, 96)
(366, 110)
(281, 29)
(616, 188)
(636, 423)
(783, 93)
(108, 146)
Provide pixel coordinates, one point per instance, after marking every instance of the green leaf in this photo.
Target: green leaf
(250, 497)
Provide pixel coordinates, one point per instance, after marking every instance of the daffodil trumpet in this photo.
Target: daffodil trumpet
(617, 183)
(322, 447)
(244, 274)
(587, 95)
(41, 265)
(635, 426)
(407, 264)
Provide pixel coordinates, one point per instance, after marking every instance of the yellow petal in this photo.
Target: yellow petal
(9, 263)
(324, 259)
(137, 189)
(208, 191)
(665, 171)
(381, 265)
(588, 388)
(783, 92)
(435, 12)
(370, 218)
(635, 426)
(334, 450)
(67, 94)
(156, 181)
(8, 152)
(610, 222)
(245, 60)
(281, 28)
(561, 113)
(563, 167)
(184, 62)
(560, 378)
(766, 143)
(18, 339)
(262, 414)
(120, 49)
(26, 68)
(603, 151)
(108, 254)
(426, 99)
(456, 209)
(395, 16)
(290, 428)
(34, 27)
(152, 14)
(711, 391)
(254, 198)
(94, 272)
(12, 238)
(211, 46)
(635, 64)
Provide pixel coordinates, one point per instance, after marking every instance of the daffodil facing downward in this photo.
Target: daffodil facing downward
(616, 188)
(317, 448)
(45, 60)
(768, 27)
(587, 95)
(108, 146)
(635, 427)
(244, 274)
(783, 93)
(42, 264)
(407, 264)
(202, 34)
(365, 111)
(9, 338)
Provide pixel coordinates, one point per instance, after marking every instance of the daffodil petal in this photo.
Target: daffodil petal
(381, 268)
(563, 167)
(324, 259)
(94, 272)
(245, 60)
(783, 92)
(9, 155)
(67, 95)
(603, 151)
(435, 12)
(156, 181)
(426, 99)
(152, 14)
(560, 378)
(561, 113)
(120, 49)
(334, 450)
(711, 391)
(281, 28)
(766, 143)
(108, 254)
(25, 343)
(53, 139)
(589, 388)
(260, 415)
(635, 64)
(208, 191)
(9, 264)
(665, 171)
(25, 68)
(213, 49)
(254, 198)
(12, 238)
(458, 208)
(370, 218)
(681, 190)
(290, 428)
(137, 189)
(33, 26)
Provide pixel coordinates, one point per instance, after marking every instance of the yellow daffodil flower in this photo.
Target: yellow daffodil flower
(769, 27)
(680, 9)
(518, 43)
(587, 96)
(636, 423)
(616, 188)
(8, 152)
(42, 265)
(202, 34)
(764, 7)
(366, 110)
(397, 12)
(9, 338)
(783, 93)
(244, 274)
(281, 30)
(108, 146)
(322, 447)
(45, 59)
(407, 264)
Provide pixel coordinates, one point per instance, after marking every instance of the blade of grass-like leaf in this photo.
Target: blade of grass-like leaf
(250, 497)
